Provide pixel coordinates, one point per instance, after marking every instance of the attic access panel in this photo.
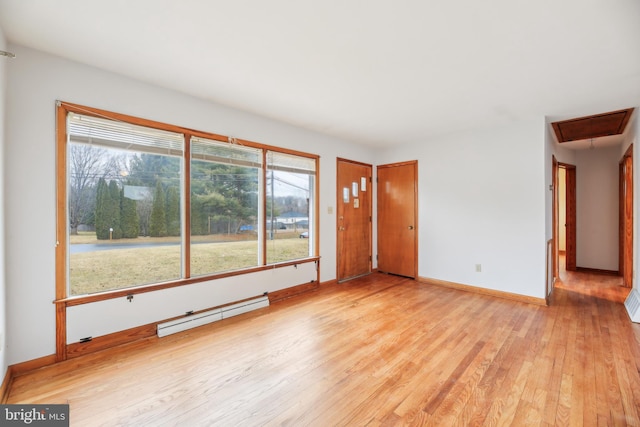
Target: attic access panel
(595, 126)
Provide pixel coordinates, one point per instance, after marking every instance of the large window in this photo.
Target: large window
(148, 203)
(290, 184)
(225, 189)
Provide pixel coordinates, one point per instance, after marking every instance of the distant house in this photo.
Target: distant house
(294, 220)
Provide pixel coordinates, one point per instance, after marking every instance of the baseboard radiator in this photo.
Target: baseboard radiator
(194, 320)
(632, 304)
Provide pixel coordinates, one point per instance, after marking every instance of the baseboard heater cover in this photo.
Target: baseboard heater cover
(632, 304)
(244, 306)
(210, 316)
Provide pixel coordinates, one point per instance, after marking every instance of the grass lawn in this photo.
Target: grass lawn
(111, 269)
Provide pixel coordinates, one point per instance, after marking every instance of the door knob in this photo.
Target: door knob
(411, 227)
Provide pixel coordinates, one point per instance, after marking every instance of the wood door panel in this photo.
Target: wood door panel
(555, 218)
(628, 222)
(571, 249)
(353, 220)
(626, 218)
(397, 219)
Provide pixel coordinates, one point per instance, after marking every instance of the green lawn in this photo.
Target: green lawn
(111, 269)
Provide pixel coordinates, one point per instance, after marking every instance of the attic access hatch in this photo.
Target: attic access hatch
(598, 125)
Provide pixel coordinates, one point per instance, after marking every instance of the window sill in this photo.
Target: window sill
(119, 293)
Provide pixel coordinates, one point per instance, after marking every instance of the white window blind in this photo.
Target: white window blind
(224, 152)
(291, 163)
(114, 134)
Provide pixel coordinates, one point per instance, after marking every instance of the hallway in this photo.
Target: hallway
(599, 286)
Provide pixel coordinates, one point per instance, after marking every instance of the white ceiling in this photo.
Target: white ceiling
(377, 72)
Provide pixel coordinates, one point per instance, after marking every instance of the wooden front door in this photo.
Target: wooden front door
(353, 219)
(398, 218)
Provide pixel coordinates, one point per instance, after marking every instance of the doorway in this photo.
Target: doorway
(397, 218)
(354, 212)
(565, 217)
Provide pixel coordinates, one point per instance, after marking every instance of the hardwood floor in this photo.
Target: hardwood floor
(379, 350)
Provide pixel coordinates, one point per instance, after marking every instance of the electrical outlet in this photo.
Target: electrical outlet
(478, 268)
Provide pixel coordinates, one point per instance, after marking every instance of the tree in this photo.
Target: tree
(158, 221)
(107, 214)
(129, 220)
(173, 212)
(114, 210)
(102, 200)
(84, 168)
(205, 208)
(149, 170)
(222, 193)
(199, 218)
(144, 208)
(146, 169)
(87, 164)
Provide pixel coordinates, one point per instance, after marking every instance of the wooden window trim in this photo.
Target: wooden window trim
(62, 299)
(119, 293)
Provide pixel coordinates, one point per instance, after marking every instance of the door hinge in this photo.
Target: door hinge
(370, 218)
(370, 258)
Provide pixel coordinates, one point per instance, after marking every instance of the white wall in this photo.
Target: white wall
(88, 320)
(597, 208)
(3, 303)
(482, 201)
(35, 82)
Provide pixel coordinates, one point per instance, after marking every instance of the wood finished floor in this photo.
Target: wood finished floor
(379, 350)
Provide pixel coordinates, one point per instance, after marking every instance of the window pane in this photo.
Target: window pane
(224, 206)
(124, 211)
(126, 201)
(289, 215)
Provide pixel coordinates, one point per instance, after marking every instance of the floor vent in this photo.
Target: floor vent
(632, 303)
(199, 319)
